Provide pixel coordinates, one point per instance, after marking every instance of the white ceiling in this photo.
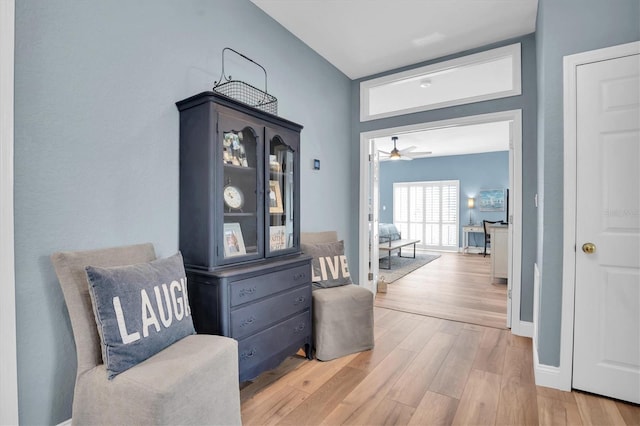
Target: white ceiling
(470, 139)
(365, 37)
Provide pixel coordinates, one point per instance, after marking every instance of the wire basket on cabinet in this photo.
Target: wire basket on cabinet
(245, 92)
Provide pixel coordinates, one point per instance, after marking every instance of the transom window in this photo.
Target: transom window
(486, 75)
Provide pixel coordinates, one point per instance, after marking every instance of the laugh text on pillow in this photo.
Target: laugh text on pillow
(171, 302)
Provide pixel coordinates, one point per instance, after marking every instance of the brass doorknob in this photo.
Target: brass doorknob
(589, 248)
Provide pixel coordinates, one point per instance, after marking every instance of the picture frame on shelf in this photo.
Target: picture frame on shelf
(492, 200)
(275, 197)
(277, 238)
(233, 150)
(233, 240)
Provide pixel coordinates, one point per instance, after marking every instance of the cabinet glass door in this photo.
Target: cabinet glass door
(280, 195)
(241, 165)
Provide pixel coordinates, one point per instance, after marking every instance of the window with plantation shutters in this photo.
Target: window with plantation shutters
(428, 211)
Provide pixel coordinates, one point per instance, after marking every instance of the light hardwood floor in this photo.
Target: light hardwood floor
(454, 286)
(424, 371)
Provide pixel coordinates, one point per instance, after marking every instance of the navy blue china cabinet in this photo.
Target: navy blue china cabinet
(240, 229)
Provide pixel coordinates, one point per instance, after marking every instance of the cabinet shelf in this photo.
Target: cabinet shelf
(272, 173)
(239, 214)
(234, 167)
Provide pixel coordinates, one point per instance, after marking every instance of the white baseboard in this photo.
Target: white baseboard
(522, 328)
(548, 375)
(65, 423)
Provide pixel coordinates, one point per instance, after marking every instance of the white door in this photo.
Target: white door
(607, 276)
(374, 213)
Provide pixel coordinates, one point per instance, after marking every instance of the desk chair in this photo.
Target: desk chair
(487, 235)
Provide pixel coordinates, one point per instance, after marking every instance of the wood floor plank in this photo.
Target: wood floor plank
(317, 374)
(553, 411)
(435, 410)
(389, 320)
(418, 338)
(272, 379)
(390, 412)
(479, 402)
(313, 409)
(452, 375)
(397, 330)
(273, 407)
(492, 349)
(415, 381)
(451, 327)
(629, 412)
(401, 329)
(518, 390)
(598, 411)
(363, 400)
(556, 394)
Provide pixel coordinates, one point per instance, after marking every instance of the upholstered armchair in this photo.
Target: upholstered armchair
(193, 381)
(342, 316)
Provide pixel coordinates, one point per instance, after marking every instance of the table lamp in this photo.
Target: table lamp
(471, 203)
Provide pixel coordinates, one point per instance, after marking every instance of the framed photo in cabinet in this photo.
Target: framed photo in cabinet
(277, 238)
(233, 241)
(275, 197)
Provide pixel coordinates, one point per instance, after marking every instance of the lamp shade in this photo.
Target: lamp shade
(471, 202)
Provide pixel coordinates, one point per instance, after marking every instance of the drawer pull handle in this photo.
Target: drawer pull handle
(247, 291)
(299, 276)
(300, 327)
(299, 299)
(248, 354)
(248, 321)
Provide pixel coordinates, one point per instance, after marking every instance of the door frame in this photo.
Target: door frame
(562, 379)
(8, 363)
(519, 327)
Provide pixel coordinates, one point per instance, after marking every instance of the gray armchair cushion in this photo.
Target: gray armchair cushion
(388, 232)
(329, 264)
(140, 309)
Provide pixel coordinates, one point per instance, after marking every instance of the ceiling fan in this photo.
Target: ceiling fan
(401, 154)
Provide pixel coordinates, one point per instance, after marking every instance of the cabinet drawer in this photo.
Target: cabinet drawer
(256, 316)
(254, 288)
(260, 347)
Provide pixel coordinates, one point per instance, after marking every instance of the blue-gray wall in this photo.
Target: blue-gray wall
(96, 144)
(527, 102)
(563, 28)
(475, 172)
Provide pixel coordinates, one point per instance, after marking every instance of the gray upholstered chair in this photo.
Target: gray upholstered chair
(342, 316)
(193, 381)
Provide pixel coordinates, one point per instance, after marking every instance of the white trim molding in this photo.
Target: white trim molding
(523, 328)
(570, 68)
(8, 364)
(512, 51)
(547, 375)
(519, 327)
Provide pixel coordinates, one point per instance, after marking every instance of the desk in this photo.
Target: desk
(499, 251)
(466, 230)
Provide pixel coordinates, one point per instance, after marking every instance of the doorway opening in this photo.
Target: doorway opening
(370, 203)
